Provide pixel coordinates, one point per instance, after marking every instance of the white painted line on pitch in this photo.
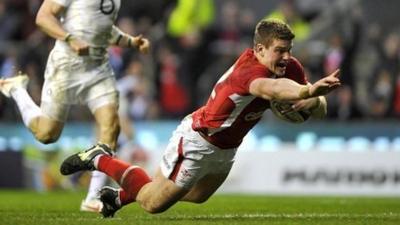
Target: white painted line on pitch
(289, 216)
(243, 216)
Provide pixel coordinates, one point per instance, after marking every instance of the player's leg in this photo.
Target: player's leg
(184, 163)
(102, 100)
(132, 179)
(160, 194)
(108, 128)
(205, 187)
(108, 123)
(98, 179)
(44, 128)
(179, 179)
(91, 203)
(154, 196)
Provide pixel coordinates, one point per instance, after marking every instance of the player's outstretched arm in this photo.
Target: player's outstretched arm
(318, 105)
(125, 40)
(284, 89)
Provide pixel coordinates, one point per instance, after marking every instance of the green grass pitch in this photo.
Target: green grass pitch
(59, 208)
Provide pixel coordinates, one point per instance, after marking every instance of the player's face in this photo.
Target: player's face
(276, 56)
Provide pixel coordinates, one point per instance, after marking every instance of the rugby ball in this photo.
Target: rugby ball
(284, 111)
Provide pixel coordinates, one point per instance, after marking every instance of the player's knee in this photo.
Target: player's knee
(47, 137)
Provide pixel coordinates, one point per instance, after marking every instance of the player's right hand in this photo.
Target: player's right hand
(141, 43)
(80, 47)
(325, 85)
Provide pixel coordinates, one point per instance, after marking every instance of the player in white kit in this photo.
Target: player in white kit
(78, 69)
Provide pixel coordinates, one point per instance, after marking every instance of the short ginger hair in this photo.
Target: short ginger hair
(268, 30)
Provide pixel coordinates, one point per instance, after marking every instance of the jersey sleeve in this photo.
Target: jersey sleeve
(247, 68)
(64, 3)
(250, 75)
(116, 35)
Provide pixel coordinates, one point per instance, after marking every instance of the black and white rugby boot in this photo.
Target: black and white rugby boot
(111, 203)
(84, 160)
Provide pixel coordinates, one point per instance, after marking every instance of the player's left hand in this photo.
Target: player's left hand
(141, 43)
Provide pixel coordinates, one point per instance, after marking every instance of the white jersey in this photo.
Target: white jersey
(91, 21)
(72, 79)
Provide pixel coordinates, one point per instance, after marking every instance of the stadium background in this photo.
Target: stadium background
(355, 151)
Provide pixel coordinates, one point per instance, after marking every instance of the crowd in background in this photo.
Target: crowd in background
(195, 41)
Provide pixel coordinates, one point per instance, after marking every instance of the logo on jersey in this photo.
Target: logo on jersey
(107, 7)
(251, 116)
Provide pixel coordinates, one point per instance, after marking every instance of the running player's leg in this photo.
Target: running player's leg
(91, 202)
(108, 129)
(108, 124)
(98, 180)
(103, 101)
(44, 128)
(105, 111)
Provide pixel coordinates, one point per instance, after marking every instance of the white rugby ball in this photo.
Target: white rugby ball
(284, 111)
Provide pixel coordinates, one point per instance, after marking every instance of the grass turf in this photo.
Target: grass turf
(59, 208)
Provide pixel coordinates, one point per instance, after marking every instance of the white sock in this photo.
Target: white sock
(29, 110)
(97, 181)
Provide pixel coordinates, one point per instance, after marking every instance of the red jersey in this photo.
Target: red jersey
(231, 111)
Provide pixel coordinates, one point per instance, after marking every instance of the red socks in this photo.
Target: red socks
(130, 178)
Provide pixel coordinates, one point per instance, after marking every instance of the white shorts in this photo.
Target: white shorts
(189, 157)
(71, 79)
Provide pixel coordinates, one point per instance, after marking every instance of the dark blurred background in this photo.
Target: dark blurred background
(194, 42)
